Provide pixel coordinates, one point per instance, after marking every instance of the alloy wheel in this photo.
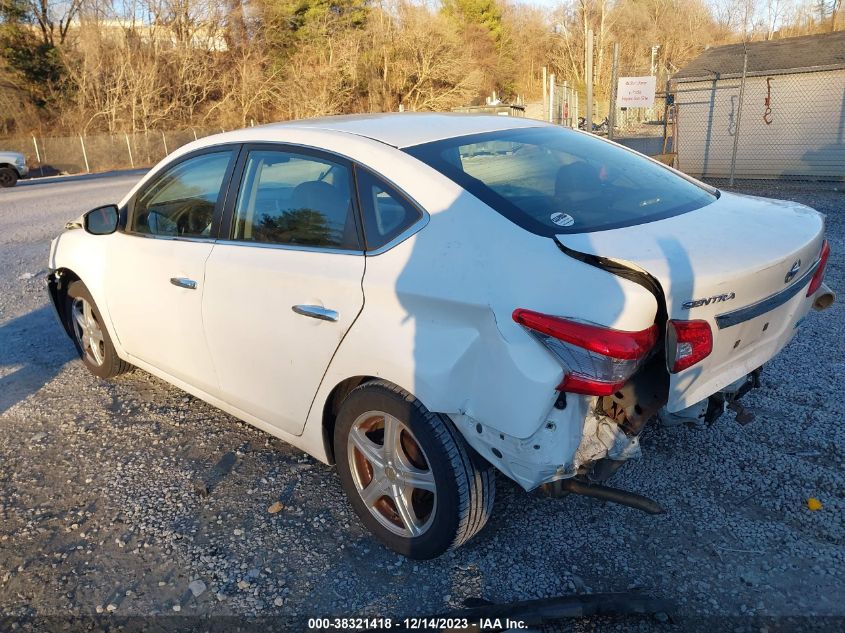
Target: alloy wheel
(392, 473)
(87, 331)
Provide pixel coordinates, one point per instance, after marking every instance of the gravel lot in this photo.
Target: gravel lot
(99, 511)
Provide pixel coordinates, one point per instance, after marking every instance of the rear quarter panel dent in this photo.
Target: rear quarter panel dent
(437, 315)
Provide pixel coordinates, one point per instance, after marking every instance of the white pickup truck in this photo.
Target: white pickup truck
(12, 167)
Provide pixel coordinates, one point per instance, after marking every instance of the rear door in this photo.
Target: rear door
(285, 287)
(155, 277)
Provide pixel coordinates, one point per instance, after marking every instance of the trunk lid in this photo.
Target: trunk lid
(735, 263)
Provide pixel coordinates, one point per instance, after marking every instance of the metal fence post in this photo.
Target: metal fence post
(588, 77)
(576, 113)
(545, 89)
(564, 98)
(129, 148)
(84, 154)
(614, 80)
(739, 114)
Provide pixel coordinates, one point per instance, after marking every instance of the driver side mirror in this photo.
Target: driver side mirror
(102, 220)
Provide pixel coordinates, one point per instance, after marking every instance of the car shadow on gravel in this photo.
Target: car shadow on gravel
(33, 350)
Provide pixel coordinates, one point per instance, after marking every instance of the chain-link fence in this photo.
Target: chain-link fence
(765, 110)
(740, 112)
(788, 125)
(647, 130)
(562, 102)
(48, 156)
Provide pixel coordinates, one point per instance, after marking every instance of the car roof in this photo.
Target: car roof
(410, 128)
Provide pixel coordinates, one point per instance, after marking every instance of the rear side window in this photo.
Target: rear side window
(387, 213)
(296, 199)
(181, 202)
(552, 180)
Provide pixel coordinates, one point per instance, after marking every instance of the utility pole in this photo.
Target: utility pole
(614, 80)
(588, 76)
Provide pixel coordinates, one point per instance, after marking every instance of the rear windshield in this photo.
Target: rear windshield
(553, 180)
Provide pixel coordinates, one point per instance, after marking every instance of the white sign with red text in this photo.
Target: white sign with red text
(636, 92)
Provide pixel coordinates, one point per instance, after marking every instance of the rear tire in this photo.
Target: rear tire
(8, 177)
(91, 338)
(428, 493)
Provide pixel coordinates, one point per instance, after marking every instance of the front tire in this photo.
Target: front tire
(90, 336)
(408, 473)
(8, 177)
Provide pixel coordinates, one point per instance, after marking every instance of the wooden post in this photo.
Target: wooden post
(164, 140)
(38, 155)
(129, 147)
(551, 98)
(84, 154)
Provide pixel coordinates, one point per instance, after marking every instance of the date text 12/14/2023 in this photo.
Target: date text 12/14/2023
(415, 624)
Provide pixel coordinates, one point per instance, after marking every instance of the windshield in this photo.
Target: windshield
(553, 180)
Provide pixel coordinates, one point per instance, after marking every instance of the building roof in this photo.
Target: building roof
(410, 128)
(794, 54)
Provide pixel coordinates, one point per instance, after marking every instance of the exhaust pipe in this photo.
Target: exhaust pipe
(605, 493)
(823, 298)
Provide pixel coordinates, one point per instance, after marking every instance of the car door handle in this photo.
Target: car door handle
(184, 282)
(316, 312)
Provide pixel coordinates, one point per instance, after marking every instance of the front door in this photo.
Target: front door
(155, 279)
(282, 293)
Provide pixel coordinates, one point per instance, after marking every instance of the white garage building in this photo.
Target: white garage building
(793, 113)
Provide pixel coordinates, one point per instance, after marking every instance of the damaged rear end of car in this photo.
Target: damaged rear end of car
(730, 278)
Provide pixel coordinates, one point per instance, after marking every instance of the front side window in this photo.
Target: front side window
(551, 180)
(295, 199)
(181, 203)
(386, 212)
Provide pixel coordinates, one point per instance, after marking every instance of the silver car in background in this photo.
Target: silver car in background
(12, 168)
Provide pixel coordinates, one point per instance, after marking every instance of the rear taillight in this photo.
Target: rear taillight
(687, 342)
(597, 360)
(818, 276)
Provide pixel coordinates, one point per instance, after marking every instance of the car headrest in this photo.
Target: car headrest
(320, 196)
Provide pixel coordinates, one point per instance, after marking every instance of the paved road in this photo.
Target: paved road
(32, 214)
(98, 509)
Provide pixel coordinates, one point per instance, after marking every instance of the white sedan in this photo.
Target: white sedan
(426, 299)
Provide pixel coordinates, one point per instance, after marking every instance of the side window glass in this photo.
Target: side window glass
(386, 212)
(291, 198)
(181, 203)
